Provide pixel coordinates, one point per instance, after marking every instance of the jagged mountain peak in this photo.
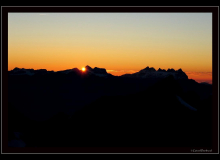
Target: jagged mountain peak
(149, 69)
(161, 70)
(88, 67)
(171, 70)
(180, 70)
(150, 72)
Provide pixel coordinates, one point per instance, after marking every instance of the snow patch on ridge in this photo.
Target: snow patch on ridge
(186, 104)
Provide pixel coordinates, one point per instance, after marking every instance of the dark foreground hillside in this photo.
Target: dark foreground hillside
(73, 110)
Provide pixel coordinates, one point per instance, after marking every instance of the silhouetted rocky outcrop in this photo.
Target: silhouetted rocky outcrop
(88, 68)
(99, 70)
(159, 74)
(170, 70)
(161, 70)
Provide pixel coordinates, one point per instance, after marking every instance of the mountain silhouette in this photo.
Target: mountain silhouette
(150, 108)
(160, 73)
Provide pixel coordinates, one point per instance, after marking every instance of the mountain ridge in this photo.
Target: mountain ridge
(101, 72)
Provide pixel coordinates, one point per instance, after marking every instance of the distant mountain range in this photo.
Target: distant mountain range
(160, 73)
(95, 108)
(101, 72)
(89, 71)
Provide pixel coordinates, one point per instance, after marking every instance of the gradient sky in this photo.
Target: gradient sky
(119, 42)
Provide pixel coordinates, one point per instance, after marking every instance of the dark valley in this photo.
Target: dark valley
(72, 108)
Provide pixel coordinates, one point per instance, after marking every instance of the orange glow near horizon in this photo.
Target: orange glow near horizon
(119, 42)
(197, 76)
(200, 76)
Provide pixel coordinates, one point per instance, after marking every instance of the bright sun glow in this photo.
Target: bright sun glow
(83, 69)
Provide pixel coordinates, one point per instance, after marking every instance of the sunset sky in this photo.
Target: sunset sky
(119, 42)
